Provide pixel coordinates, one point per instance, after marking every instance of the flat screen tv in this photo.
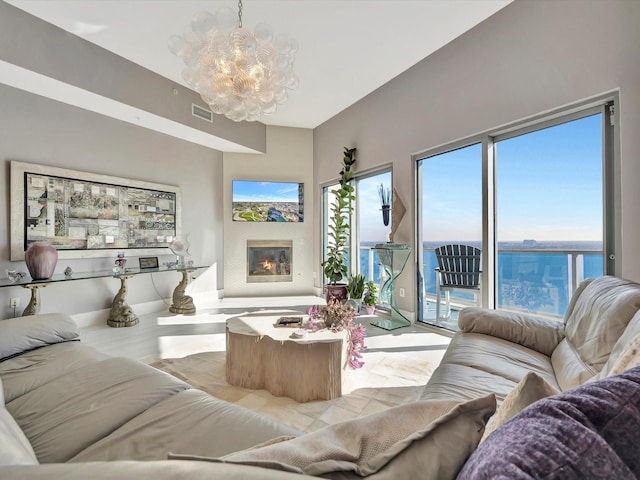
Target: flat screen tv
(255, 201)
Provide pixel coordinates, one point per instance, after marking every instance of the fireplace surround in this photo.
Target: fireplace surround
(269, 261)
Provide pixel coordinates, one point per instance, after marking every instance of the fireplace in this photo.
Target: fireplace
(269, 260)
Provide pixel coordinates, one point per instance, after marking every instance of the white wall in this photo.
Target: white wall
(289, 158)
(530, 57)
(37, 130)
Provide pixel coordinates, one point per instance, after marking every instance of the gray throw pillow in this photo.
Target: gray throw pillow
(588, 432)
(427, 440)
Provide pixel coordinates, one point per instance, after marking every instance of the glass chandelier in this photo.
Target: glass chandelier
(239, 73)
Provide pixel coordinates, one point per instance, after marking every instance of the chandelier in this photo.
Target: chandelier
(239, 73)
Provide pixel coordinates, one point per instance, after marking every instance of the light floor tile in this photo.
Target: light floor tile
(397, 363)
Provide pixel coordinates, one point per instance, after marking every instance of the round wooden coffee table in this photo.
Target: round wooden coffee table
(260, 355)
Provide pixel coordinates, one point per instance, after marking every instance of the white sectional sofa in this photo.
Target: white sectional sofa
(72, 412)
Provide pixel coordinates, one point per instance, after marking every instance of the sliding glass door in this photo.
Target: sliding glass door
(537, 200)
(450, 212)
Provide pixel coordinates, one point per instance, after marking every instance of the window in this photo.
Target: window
(450, 209)
(549, 214)
(367, 227)
(536, 200)
(369, 224)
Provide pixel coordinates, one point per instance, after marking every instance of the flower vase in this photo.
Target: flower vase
(369, 309)
(41, 259)
(385, 214)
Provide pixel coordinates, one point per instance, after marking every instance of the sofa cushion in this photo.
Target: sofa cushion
(475, 365)
(463, 382)
(588, 432)
(28, 371)
(192, 422)
(22, 334)
(1, 393)
(498, 357)
(530, 389)
(64, 417)
(427, 440)
(537, 333)
(15, 449)
(599, 316)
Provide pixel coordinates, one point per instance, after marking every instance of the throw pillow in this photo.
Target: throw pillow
(531, 388)
(1, 393)
(15, 448)
(22, 334)
(427, 440)
(588, 432)
(629, 358)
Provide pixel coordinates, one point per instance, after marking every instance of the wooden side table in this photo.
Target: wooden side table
(260, 355)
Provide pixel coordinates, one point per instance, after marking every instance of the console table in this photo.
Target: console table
(121, 314)
(394, 258)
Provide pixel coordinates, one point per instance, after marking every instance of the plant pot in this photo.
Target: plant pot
(41, 259)
(369, 309)
(337, 292)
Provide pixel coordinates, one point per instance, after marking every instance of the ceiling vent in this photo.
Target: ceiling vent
(201, 112)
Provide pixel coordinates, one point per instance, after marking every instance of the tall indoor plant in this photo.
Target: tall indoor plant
(335, 265)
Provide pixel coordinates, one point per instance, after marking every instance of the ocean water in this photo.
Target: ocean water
(528, 281)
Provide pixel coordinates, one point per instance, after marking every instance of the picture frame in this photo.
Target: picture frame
(148, 262)
(88, 215)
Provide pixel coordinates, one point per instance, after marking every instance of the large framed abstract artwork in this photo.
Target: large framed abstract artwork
(86, 215)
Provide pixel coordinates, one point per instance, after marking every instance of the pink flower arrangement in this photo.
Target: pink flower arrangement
(337, 317)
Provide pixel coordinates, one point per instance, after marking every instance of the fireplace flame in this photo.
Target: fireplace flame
(268, 264)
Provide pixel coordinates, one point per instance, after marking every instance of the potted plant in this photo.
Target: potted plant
(355, 289)
(335, 265)
(370, 298)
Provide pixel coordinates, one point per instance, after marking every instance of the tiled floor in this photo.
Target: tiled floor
(397, 363)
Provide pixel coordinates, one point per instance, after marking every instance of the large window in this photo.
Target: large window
(536, 199)
(549, 214)
(367, 227)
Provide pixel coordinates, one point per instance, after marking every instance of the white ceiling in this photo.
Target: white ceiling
(347, 48)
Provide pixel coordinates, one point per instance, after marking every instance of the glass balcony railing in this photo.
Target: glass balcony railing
(539, 281)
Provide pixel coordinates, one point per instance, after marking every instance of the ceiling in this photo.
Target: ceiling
(347, 48)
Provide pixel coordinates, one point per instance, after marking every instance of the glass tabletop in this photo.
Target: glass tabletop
(27, 280)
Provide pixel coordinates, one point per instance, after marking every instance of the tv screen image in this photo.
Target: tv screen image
(256, 201)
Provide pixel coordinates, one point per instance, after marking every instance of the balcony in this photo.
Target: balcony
(533, 280)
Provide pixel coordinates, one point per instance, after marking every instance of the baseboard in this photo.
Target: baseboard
(100, 317)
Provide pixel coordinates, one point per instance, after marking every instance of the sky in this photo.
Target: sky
(248, 191)
(548, 187)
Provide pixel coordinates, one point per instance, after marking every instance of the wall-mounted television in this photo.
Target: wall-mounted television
(256, 201)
